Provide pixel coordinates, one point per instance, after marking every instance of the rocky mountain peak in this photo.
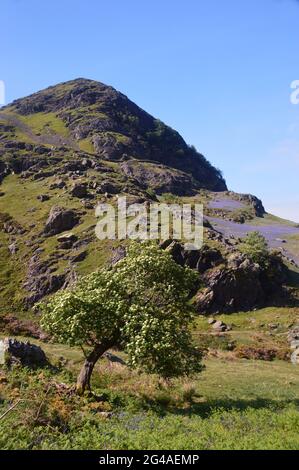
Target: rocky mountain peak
(97, 118)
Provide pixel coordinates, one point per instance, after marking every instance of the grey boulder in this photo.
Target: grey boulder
(60, 220)
(26, 354)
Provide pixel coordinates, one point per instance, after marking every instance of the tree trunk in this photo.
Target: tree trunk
(83, 380)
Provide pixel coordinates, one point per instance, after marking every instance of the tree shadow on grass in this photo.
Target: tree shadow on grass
(206, 409)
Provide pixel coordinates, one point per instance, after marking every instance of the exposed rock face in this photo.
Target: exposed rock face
(79, 257)
(4, 170)
(118, 254)
(232, 288)
(274, 276)
(41, 281)
(43, 197)
(208, 258)
(13, 248)
(60, 220)
(10, 226)
(58, 185)
(220, 326)
(66, 237)
(107, 146)
(293, 338)
(254, 202)
(201, 260)
(79, 190)
(230, 284)
(28, 165)
(159, 178)
(109, 187)
(17, 352)
(295, 357)
(21, 327)
(176, 250)
(66, 241)
(239, 285)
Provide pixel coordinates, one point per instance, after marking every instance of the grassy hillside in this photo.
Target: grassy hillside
(234, 404)
(80, 143)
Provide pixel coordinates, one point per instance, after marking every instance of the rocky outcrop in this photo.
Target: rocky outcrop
(108, 146)
(295, 357)
(252, 201)
(201, 260)
(219, 326)
(208, 258)
(239, 285)
(26, 165)
(4, 170)
(274, 275)
(66, 241)
(117, 255)
(26, 354)
(77, 258)
(159, 178)
(230, 288)
(41, 281)
(230, 283)
(9, 225)
(43, 197)
(13, 248)
(60, 220)
(79, 190)
(60, 184)
(293, 338)
(109, 187)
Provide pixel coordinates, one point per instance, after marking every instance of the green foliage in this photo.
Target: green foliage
(170, 198)
(164, 137)
(151, 193)
(46, 419)
(45, 122)
(241, 215)
(255, 246)
(4, 217)
(87, 314)
(156, 328)
(142, 302)
(86, 145)
(218, 411)
(204, 162)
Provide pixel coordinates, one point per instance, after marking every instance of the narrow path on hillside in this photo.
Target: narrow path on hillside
(43, 139)
(276, 234)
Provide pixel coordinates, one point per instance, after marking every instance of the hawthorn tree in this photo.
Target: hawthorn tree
(142, 303)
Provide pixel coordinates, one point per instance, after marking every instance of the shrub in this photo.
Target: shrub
(241, 215)
(255, 246)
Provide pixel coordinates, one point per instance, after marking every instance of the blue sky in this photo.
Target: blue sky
(217, 71)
